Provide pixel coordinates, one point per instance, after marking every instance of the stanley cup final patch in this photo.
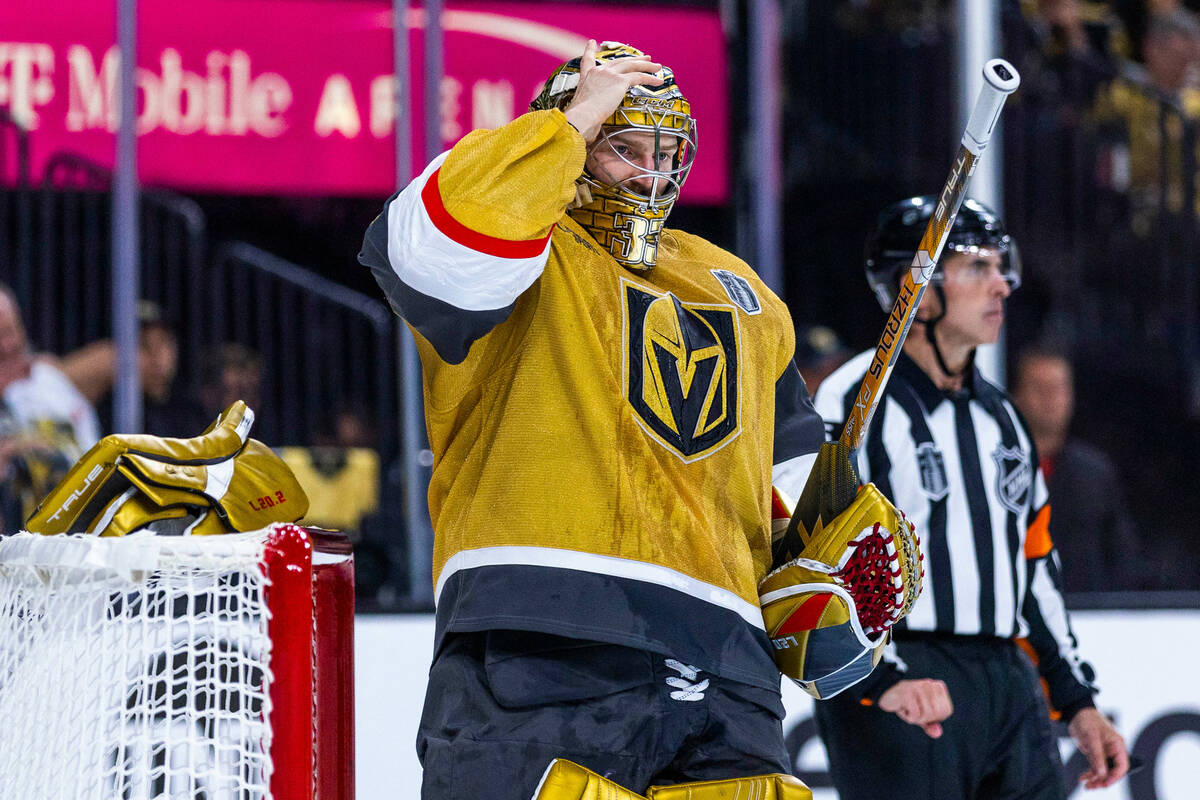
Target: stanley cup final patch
(1014, 477)
(682, 369)
(932, 469)
(739, 291)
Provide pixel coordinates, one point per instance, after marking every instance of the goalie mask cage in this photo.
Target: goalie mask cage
(206, 667)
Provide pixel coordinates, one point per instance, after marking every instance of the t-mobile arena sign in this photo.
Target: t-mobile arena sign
(298, 96)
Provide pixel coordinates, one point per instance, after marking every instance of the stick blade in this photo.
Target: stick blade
(831, 488)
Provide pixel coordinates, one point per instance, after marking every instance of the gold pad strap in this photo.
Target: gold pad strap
(759, 787)
(566, 780)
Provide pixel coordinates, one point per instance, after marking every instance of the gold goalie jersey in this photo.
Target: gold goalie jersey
(604, 441)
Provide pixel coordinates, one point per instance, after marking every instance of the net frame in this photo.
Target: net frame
(162, 667)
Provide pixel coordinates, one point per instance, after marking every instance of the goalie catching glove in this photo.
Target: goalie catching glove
(828, 611)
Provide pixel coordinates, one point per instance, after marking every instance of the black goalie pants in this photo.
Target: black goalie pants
(997, 744)
(501, 705)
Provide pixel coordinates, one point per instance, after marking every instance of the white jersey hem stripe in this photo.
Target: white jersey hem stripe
(599, 565)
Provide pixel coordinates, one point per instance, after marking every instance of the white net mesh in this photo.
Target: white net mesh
(134, 668)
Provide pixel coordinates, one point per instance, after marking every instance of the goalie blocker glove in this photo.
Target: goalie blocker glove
(219, 482)
(828, 611)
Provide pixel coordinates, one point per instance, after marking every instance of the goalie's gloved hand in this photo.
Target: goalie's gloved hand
(828, 611)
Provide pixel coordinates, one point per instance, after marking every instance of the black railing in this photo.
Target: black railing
(325, 348)
(62, 276)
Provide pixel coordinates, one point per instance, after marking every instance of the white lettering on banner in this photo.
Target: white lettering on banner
(383, 105)
(226, 99)
(26, 80)
(90, 93)
(491, 104)
(176, 99)
(337, 110)
(214, 93)
(183, 95)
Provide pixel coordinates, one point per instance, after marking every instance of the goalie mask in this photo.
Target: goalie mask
(625, 216)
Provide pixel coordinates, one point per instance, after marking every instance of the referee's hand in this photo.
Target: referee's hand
(1097, 739)
(924, 702)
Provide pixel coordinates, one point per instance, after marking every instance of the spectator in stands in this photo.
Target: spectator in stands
(233, 372)
(1136, 15)
(1171, 49)
(352, 426)
(340, 471)
(1076, 46)
(45, 423)
(166, 411)
(1090, 524)
(1136, 103)
(342, 484)
(1083, 28)
(819, 351)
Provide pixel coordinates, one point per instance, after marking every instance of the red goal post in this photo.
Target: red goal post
(161, 667)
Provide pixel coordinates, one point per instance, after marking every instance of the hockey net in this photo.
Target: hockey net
(149, 667)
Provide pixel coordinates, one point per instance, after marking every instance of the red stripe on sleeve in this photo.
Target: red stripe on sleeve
(479, 242)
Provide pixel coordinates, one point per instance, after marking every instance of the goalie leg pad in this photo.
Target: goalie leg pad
(566, 780)
(759, 787)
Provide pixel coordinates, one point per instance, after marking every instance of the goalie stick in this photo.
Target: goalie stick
(833, 483)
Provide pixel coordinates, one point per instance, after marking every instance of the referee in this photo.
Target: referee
(955, 710)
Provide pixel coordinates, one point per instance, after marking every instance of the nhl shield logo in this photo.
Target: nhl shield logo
(1014, 476)
(931, 467)
(681, 371)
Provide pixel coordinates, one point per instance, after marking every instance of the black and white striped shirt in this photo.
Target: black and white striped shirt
(962, 466)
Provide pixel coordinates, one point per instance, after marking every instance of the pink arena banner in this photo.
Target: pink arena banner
(297, 96)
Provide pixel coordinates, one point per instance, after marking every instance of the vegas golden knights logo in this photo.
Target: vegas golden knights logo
(682, 370)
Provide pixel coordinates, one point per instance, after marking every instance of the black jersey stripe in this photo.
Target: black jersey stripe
(1008, 436)
(798, 428)
(603, 608)
(981, 519)
(878, 461)
(938, 549)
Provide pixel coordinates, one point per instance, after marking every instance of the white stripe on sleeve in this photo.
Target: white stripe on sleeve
(432, 263)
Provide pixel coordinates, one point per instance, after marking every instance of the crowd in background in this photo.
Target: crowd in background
(1101, 170)
(54, 408)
